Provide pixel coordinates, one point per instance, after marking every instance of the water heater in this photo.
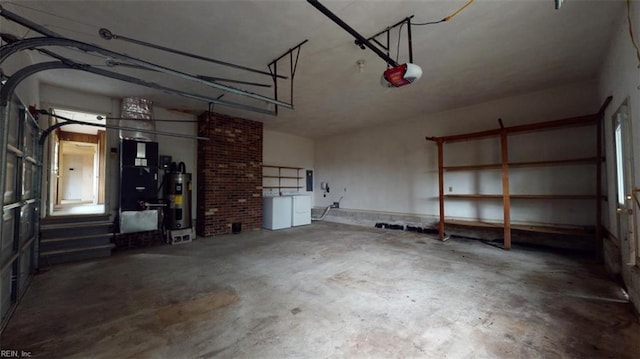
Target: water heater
(178, 194)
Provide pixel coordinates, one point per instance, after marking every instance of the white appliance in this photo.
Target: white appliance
(276, 212)
(301, 210)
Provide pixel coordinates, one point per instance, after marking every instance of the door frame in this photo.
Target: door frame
(53, 198)
(627, 199)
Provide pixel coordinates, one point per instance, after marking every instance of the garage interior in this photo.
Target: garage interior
(320, 179)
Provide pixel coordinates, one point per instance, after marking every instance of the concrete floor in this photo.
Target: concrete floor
(326, 290)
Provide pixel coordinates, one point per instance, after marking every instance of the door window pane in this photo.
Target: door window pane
(619, 163)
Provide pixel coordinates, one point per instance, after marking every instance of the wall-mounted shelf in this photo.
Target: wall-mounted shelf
(287, 177)
(505, 166)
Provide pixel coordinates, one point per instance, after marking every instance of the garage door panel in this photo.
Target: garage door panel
(14, 124)
(26, 268)
(28, 175)
(10, 179)
(19, 202)
(5, 292)
(8, 232)
(29, 140)
(27, 229)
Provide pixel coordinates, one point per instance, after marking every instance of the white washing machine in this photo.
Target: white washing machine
(276, 212)
(301, 210)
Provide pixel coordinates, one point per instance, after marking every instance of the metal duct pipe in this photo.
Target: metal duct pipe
(137, 113)
(324, 214)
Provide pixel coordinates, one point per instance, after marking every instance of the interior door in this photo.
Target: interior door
(626, 200)
(72, 177)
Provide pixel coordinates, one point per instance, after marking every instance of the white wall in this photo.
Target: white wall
(620, 78)
(282, 149)
(180, 149)
(392, 168)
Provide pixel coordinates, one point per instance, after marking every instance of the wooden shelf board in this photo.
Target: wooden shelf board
(522, 196)
(271, 187)
(283, 167)
(284, 177)
(474, 196)
(573, 161)
(548, 125)
(473, 167)
(523, 227)
(553, 196)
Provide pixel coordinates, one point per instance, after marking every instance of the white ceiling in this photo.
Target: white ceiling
(492, 49)
(79, 116)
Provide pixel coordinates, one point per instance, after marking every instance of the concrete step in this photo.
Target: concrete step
(74, 255)
(75, 219)
(74, 238)
(76, 242)
(65, 230)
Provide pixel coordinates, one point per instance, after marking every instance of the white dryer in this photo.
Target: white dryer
(301, 210)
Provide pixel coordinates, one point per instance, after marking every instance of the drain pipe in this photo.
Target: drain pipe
(326, 210)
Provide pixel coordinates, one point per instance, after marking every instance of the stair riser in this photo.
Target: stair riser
(73, 220)
(74, 256)
(74, 232)
(74, 243)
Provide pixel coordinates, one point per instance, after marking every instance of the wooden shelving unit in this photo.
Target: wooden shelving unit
(503, 133)
(284, 176)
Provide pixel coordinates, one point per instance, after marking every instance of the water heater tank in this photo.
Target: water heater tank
(178, 194)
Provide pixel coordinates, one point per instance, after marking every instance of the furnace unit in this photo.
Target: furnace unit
(138, 167)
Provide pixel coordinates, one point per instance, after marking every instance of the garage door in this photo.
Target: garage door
(19, 176)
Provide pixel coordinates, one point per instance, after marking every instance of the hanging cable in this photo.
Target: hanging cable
(428, 23)
(633, 40)
(447, 18)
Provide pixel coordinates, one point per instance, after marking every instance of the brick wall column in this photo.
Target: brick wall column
(229, 174)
